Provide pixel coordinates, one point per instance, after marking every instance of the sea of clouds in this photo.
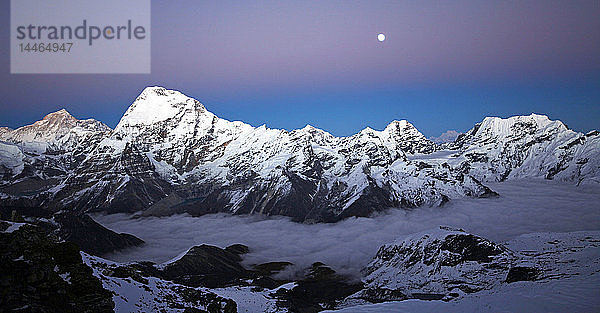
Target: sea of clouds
(347, 246)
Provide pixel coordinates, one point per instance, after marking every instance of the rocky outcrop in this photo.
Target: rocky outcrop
(205, 265)
(76, 227)
(92, 237)
(140, 287)
(450, 264)
(321, 288)
(522, 273)
(39, 274)
(436, 264)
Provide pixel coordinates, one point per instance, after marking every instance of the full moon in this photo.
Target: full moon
(381, 37)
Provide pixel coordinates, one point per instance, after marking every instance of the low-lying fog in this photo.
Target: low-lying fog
(523, 207)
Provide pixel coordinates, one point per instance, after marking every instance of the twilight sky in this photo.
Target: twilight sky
(287, 64)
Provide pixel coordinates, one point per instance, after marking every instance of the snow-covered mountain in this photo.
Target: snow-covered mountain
(36, 157)
(168, 154)
(529, 146)
(58, 131)
(445, 137)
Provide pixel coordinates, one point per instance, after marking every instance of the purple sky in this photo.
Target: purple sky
(283, 63)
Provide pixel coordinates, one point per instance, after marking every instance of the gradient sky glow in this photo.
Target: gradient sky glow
(290, 63)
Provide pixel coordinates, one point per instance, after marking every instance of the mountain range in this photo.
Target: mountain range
(169, 154)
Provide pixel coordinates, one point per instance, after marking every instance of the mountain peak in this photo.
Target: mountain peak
(498, 126)
(53, 126)
(61, 114)
(156, 104)
(399, 124)
(311, 129)
(447, 136)
(401, 128)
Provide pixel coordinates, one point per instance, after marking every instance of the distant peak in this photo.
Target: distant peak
(447, 136)
(542, 116)
(62, 113)
(158, 92)
(533, 116)
(155, 88)
(310, 128)
(314, 130)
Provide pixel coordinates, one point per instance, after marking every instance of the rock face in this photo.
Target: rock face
(522, 273)
(168, 155)
(91, 236)
(205, 265)
(76, 227)
(321, 288)
(435, 264)
(39, 274)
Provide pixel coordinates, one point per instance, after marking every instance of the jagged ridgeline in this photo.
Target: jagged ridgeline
(169, 155)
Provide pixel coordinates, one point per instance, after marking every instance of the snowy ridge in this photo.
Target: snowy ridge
(529, 146)
(51, 128)
(168, 139)
(169, 145)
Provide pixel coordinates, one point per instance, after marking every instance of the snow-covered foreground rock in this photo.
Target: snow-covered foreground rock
(436, 264)
(567, 280)
(133, 292)
(443, 269)
(169, 155)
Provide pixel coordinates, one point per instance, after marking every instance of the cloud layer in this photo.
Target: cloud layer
(523, 207)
